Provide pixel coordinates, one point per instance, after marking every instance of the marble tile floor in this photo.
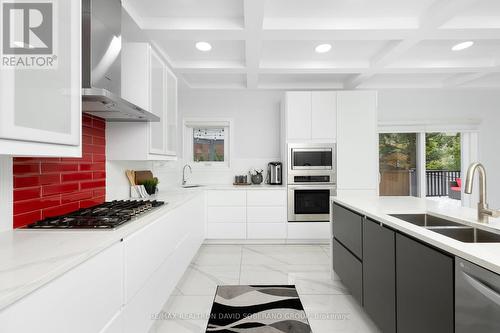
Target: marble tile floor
(328, 304)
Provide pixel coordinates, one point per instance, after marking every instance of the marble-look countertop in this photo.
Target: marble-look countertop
(241, 187)
(483, 254)
(31, 258)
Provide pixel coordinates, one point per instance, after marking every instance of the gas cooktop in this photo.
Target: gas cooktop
(108, 215)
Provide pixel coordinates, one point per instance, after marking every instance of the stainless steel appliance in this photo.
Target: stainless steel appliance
(108, 215)
(477, 298)
(101, 64)
(309, 203)
(275, 173)
(312, 179)
(311, 156)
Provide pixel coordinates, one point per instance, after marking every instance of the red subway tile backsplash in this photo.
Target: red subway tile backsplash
(45, 187)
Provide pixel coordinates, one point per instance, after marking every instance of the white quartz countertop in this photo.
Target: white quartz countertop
(244, 187)
(31, 258)
(486, 255)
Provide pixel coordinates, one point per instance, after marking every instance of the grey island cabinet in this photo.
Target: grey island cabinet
(403, 284)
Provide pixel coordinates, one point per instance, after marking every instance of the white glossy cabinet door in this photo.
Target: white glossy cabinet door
(171, 114)
(43, 105)
(357, 140)
(158, 138)
(147, 82)
(324, 115)
(298, 115)
(82, 300)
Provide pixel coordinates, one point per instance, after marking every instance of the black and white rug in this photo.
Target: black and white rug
(257, 309)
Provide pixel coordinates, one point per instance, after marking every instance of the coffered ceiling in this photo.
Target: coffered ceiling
(270, 44)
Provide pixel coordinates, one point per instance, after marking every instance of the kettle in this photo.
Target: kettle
(274, 173)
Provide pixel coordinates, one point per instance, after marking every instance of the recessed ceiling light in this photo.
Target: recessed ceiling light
(323, 48)
(203, 46)
(462, 46)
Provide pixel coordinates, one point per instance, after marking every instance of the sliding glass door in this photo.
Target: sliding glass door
(426, 164)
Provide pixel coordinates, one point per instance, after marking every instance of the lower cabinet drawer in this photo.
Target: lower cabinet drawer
(266, 214)
(349, 269)
(226, 214)
(266, 231)
(348, 228)
(226, 230)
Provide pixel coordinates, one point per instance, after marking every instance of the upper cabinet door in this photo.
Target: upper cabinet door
(40, 84)
(158, 105)
(171, 114)
(324, 115)
(357, 141)
(298, 110)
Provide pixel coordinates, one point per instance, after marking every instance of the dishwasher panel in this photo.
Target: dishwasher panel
(477, 298)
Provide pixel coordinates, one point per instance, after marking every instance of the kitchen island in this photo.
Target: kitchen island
(417, 265)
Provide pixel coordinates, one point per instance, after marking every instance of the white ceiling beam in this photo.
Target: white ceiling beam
(461, 79)
(254, 19)
(436, 15)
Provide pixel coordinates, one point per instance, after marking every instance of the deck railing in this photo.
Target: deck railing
(438, 182)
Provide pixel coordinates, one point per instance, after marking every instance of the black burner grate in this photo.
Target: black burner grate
(108, 215)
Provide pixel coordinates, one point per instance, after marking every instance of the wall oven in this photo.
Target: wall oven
(309, 203)
(312, 179)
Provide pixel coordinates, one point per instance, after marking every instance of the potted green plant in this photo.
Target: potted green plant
(151, 185)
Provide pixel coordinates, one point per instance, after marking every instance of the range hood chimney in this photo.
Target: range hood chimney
(101, 64)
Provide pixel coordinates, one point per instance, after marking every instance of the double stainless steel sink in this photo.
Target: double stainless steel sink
(452, 229)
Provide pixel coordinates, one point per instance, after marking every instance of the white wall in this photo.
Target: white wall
(256, 142)
(256, 121)
(6, 193)
(449, 106)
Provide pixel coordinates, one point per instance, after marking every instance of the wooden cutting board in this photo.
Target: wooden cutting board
(141, 176)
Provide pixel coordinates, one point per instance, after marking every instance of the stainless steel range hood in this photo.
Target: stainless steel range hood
(101, 64)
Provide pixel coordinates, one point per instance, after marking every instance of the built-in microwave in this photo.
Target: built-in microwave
(311, 156)
(312, 163)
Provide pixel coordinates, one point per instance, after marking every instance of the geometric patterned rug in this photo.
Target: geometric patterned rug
(257, 309)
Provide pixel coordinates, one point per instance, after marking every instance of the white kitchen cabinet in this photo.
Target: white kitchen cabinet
(147, 82)
(357, 141)
(266, 214)
(298, 115)
(266, 231)
(226, 214)
(246, 214)
(158, 92)
(310, 116)
(226, 198)
(41, 106)
(183, 230)
(85, 299)
(172, 113)
(266, 197)
(226, 231)
(324, 115)
(319, 231)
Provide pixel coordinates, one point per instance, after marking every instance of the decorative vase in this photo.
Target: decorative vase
(257, 179)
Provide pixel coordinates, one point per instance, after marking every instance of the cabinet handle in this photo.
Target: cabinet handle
(483, 289)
